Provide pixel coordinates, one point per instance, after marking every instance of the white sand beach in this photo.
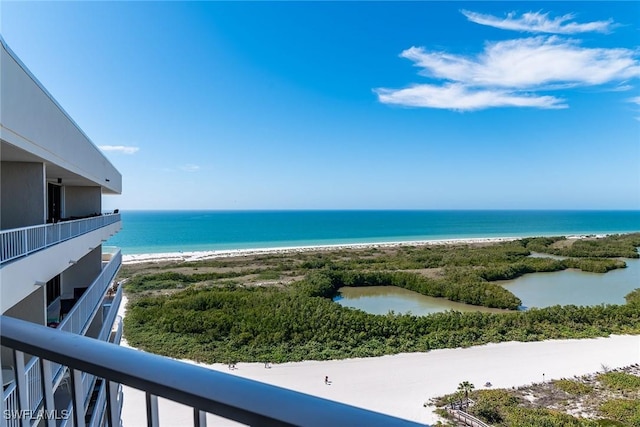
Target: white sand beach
(202, 255)
(399, 385)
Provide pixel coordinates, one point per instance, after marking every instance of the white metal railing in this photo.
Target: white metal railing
(83, 311)
(10, 397)
(99, 408)
(78, 319)
(34, 383)
(117, 334)
(120, 401)
(88, 382)
(109, 319)
(19, 242)
(67, 421)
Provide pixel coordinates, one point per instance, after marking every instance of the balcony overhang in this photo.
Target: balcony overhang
(56, 173)
(35, 128)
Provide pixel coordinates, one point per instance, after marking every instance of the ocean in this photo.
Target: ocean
(174, 231)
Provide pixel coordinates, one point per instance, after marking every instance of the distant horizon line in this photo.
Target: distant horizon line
(376, 210)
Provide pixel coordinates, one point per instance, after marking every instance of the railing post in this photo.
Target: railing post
(23, 401)
(77, 396)
(113, 410)
(199, 418)
(47, 388)
(3, 419)
(25, 242)
(152, 410)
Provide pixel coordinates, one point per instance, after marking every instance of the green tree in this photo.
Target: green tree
(466, 387)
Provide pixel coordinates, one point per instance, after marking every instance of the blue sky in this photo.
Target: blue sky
(417, 105)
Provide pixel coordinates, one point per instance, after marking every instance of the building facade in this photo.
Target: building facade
(54, 269)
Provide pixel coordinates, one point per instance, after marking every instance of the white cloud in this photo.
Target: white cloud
(508, 73)
(530, 63)
(622, 88)
(190, 168)
(458, 97)
(537, 22)
(636, 100)
(119, 149)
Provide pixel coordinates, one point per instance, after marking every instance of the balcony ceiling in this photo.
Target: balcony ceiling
(10, 153)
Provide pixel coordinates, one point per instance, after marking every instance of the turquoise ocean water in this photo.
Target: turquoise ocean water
(173, 231)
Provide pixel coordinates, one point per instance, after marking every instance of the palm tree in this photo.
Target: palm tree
(466, 387)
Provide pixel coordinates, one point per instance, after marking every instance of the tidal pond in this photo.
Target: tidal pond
(575, 286)
(382, 299)
(535, 290)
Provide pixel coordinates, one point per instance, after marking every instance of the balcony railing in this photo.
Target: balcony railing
(116, 334)
(11, 404)
(206, 391)
(77, 321)
(79, 317)
(110, 318)
(19, 242)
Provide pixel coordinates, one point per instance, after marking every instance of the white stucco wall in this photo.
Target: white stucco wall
(32, 308)
(82, 274)
(82, 201)
(22, 194)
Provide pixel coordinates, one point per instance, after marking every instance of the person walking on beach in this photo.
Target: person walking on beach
(326, 380)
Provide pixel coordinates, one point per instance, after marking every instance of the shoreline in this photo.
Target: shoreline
(190, 256)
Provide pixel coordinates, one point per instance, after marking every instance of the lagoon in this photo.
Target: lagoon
(382, 299)
(535, 290)
(575, 286)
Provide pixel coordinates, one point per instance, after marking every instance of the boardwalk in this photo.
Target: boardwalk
(468, 419)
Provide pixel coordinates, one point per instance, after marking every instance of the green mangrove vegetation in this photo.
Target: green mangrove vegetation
(278, 325)
(279, 307)
(616, 245)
